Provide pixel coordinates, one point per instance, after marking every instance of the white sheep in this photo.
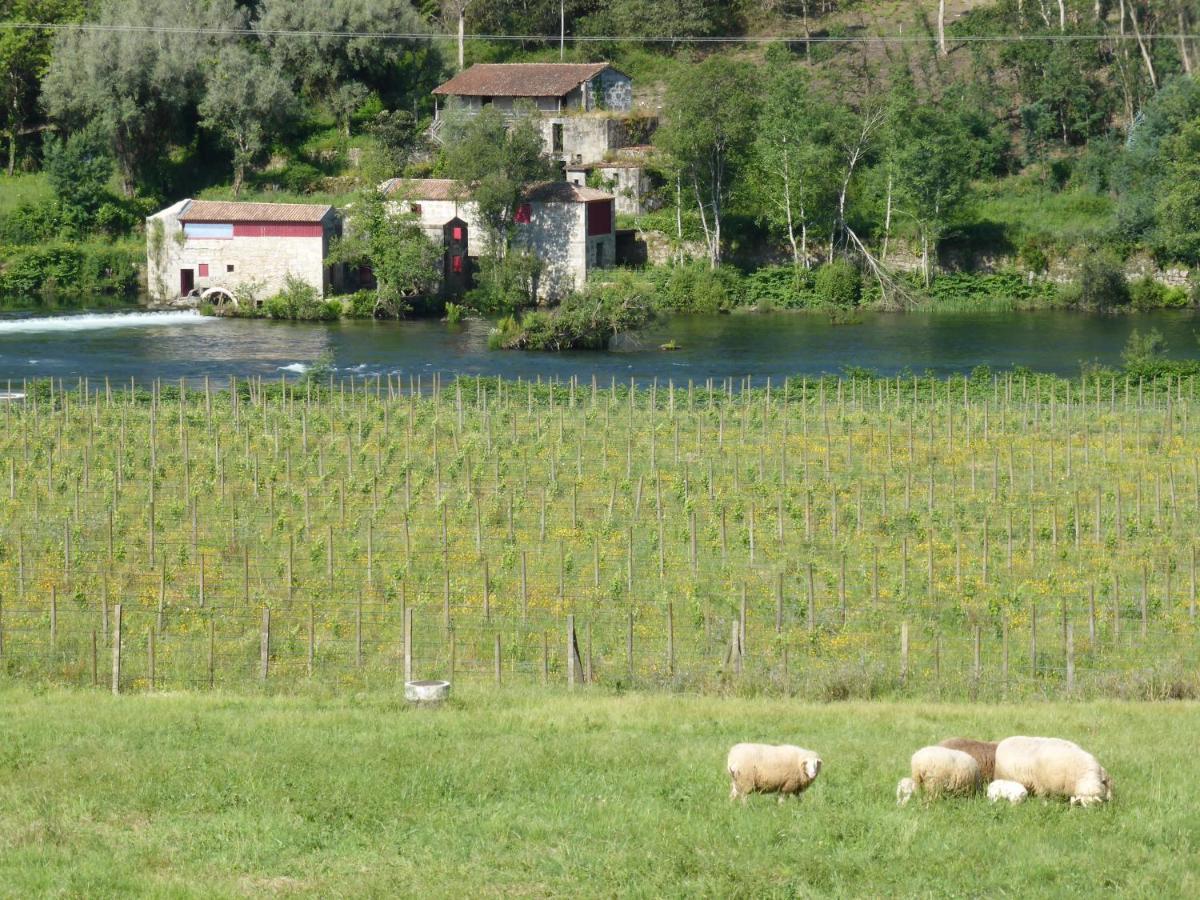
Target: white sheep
(769, 769)
(1012, 791)
(937, 771)
(1052, 767)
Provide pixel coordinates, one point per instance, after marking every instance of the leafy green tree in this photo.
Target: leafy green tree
(792, 183)
(668, 19)
(406, 263)
(340, 71)
(139, 87)
(24, 57)
(246, 102)
(79, 169)
(496, 161)
(708, 129)
(1177, 235)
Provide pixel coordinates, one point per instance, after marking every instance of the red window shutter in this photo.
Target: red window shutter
(457, 233)
(599, 217)
(203, 270)
(456, 264)
(524, 213)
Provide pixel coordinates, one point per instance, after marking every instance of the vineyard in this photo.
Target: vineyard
(1001, 535)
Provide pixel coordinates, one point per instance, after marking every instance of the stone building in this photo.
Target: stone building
(571, 230)
(212, 249)
(583, 106)
(624, 173)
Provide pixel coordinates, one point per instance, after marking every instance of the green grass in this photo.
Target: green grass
(23, 189)
(515, 793)
(1026, 209)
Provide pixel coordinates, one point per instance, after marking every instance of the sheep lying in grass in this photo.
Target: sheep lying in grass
(983, 752)
(767, 769)
(937, 771)
(1051, 767)
(1011, 791)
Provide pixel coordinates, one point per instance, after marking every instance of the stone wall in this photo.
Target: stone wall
(613, 91)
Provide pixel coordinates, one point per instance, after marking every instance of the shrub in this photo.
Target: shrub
(780, 287)
(839, 283)
(31, 223)
(300, 301)
(697, 287)
(1101, 282)
(361, 305)
(301, 177)
(583, 321)
(507, 285)
(46, 273)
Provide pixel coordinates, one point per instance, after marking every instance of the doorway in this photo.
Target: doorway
(187, 281)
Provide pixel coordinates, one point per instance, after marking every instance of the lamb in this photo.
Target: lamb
(984, 753)
(937, 771)
(768, 769)
(1011, 791)
(1052, 767)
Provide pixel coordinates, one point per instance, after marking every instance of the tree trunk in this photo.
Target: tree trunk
(703, 217)
(787, 208)
(678, 219)
(1137, 34)
(461, 36)
(12, 150)
(1183, 50)
(887, 221)
(941, 27)
(1062, 15)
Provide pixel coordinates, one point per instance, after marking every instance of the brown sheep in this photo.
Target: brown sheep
(983, 752)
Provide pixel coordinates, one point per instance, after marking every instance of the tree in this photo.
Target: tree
(246, 101)
(139, 87)
(708, 128)
(793, 183)
(338, 70)
(496, 162)
(24, 57)
(78, 169)
(405, 262)
(670, 20)
(1177, 232)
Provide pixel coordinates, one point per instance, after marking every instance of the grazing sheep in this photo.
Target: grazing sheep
(1011, 791)
(769, 769)
(937, 771)
(1051, 767)
(984, 753)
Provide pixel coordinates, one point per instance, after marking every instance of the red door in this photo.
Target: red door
(187, 281)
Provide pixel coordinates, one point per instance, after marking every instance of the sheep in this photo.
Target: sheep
(1011, 791)
(768, 769)
(984, 753)
(1052, 767)
(937, 771)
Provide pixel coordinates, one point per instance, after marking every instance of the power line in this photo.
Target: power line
(580, 39)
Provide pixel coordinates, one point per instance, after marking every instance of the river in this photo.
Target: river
(173, 345)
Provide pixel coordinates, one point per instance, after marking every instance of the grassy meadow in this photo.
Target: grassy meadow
(531, 792)
(997, 536)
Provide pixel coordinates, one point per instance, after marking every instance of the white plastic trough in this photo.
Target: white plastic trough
(426, 691)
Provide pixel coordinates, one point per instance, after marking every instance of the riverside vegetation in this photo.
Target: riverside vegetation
(1049, 148)
(547, 794)
(988, 536)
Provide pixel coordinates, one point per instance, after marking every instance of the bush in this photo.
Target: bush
(301, 302)
(583, 321)
(839, 284)
(301, 177)
(31, 223)
(697, 287)
(1146, 293)
(43, 274)
(1101, 283)
(361, 305)
(780, 287)
(507, 285)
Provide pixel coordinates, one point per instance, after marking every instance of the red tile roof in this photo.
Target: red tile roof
(231, 211)
(520, 79)
(564, 192)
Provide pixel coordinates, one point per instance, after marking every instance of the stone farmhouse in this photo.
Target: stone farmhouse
(570, 228)
(583, 106)
(212, 248)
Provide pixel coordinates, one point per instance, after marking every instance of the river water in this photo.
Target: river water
(173, 345)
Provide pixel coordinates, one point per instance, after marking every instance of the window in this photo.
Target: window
(456, 233)
(208, 230)
(456, 265)
(524, 213)
(414, 208)
(485, 101)
(229, 267)
(557, 138)
(203, 270)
